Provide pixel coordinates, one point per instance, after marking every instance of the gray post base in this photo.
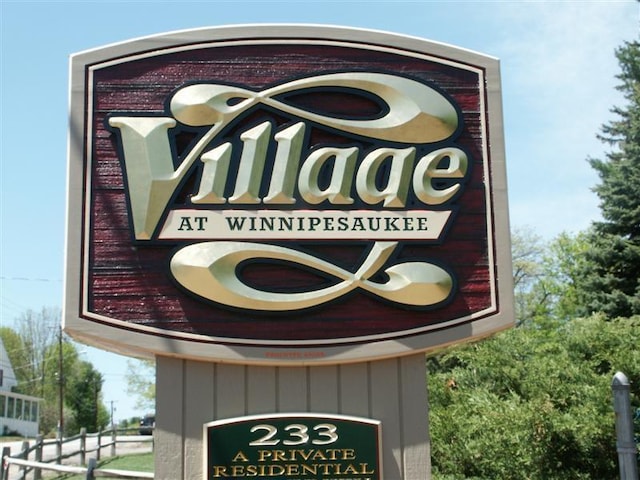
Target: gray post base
(190, 394)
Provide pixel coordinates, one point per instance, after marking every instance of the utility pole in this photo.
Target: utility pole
(60, 385)
(96, 397)
(112, 409)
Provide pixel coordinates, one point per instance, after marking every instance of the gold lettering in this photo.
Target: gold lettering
(318, 455)
(309, 469)
(237, 470)
(219, 471)
(285, 167)
(350, 469)
(240, 457)
(429, 168)
(338, 191)
(395, 192)
(275, 470)
(263, 455)
(293, 469)
(348, 454)
(279, 456)
(364, 471)
(252, 471)
(214, 175)
(254, 151)
(151, 177)
(305, 454)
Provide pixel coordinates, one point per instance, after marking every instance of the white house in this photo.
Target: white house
(18, 413)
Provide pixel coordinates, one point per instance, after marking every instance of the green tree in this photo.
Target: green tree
(546, 275)
(28, 348)
(35, 348)
(562, 263)
(611, 280)
(59, 379)
(141, 383)
(526, 252)
(17, 354)
(84, 397)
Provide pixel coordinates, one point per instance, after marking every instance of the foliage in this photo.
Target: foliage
(533, 402)
(39, 351)
(546, 275)
(28, 348)
(141, 383)
(611, 281)
(83, 397)
(130, 423)
(526, 252)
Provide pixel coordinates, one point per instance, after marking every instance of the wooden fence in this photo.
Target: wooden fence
(108, 439)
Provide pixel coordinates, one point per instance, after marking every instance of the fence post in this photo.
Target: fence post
(59, 447)
(83, 446)
(37, 472)
(627, 450)
(24, 455)
(4, 465)
(90, 468)
(98, 445)
(113, 442)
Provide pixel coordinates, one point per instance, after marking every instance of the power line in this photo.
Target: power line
(29, 279)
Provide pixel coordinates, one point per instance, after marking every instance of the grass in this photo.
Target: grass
(141, 462)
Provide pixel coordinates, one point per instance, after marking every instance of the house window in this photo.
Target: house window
(10, 407)
(3, 403)
(18, 413)
(34, 411)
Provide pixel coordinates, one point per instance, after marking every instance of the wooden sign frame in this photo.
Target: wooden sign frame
(442, 273)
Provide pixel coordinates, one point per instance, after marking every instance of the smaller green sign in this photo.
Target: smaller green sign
(300, 446)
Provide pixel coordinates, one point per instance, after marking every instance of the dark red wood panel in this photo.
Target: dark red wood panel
(129, 280)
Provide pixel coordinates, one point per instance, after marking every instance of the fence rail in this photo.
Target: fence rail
(105, 439)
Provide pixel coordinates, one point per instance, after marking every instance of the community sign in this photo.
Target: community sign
(285, 194)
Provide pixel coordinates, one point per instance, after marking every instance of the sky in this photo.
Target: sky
(558, 86)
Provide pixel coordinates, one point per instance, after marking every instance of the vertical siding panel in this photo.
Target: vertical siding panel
(323, 389)
(169, 435)
(385, 406)
(292, 389)
(199, 385)
(230, 391)
(261, 390)
(354, 389)
(415, 416)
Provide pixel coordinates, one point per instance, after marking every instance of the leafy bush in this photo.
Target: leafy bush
(532, 403)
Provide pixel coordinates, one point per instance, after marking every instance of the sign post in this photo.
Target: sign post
(286, 218)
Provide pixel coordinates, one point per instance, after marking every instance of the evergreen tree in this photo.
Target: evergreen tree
(611, 283)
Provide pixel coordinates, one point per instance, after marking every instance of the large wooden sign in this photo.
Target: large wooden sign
(285, 194)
